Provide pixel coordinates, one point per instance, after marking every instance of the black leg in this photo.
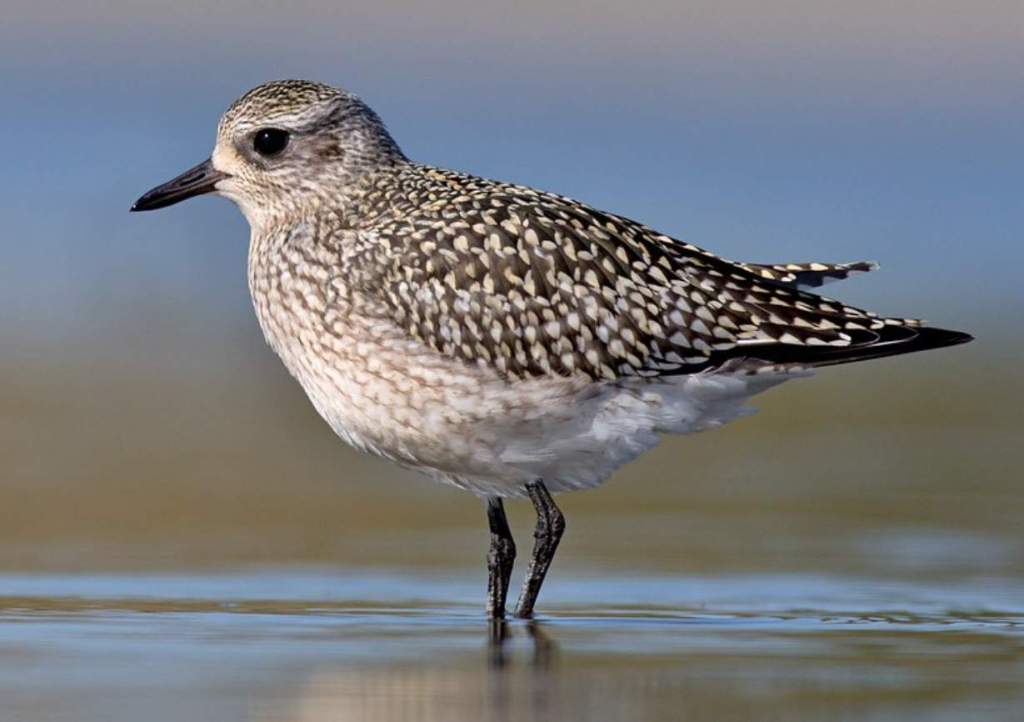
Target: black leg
(500, 558)
(550, 525)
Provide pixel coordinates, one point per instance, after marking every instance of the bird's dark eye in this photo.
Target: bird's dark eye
(270, 141)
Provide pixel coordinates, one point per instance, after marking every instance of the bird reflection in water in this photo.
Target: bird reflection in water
(458, 687)
(500, 632)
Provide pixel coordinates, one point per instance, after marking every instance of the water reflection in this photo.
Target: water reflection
(500, 633)
(272, 646)
(805, 676)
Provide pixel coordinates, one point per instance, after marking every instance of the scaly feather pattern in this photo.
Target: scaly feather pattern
(536, 284)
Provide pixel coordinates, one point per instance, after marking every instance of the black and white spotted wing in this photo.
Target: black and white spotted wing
(535, 284)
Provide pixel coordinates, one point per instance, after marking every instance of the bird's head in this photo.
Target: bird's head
(283, 147)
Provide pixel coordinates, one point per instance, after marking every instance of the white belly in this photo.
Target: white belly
(478, 432)
(389, 395)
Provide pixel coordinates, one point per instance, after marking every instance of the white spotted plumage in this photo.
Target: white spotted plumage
(491, 334)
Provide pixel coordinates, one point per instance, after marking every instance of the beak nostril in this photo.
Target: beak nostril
(196, 181)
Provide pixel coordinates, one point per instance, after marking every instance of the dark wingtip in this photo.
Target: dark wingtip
(890, 343)
(877, 343)
(929, 337)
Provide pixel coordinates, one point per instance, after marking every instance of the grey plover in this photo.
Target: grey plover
(507, 340)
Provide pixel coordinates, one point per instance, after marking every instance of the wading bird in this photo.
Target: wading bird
(506, 340)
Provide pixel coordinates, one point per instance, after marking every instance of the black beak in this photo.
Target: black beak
(193, 182)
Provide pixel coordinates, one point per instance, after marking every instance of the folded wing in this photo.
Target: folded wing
(535, 284)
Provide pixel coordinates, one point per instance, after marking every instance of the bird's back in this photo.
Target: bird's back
(536, 284)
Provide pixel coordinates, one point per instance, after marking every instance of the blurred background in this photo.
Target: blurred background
(146, 428)
(138, 401)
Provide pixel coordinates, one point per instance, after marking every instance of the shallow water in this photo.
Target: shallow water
(273, 645)
(198, 546)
